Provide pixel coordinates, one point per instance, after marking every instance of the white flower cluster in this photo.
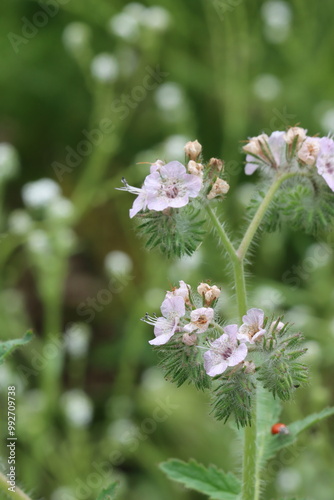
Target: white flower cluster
(135, 17)
(184, 321)
(292, 150)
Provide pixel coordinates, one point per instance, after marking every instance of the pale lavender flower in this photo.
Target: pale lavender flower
(325, 160)
(182, 291)
(172, 309)
(166, 186)
(171, 186)
(252, 328)
(224, 352)
(200, 320)
(270, 153)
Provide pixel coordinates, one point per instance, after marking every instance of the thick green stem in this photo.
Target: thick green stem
(250, 481)
(251, 473)
(18, 494)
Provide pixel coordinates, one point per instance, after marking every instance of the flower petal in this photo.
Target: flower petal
(238, 355)
(254, 317)
(232, 331)
(173, 306)
(213, 364)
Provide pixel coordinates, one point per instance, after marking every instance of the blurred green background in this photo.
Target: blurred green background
(92, 403)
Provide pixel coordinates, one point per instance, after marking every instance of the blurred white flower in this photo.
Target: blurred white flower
(38, 242)
(118, 262)
(105, 68)
(169, 96)
(60, 209)
(9, 161)
(156, 18)
(39, 194)
(63, 493)
(288, 480)
(267, 87)
(76, 36)
(124, 26)
(277, 16)
(77, 407)
(135, 9)
(327, 121)
(174, 147)
(121, 429)
(276, 13)
(19, 222)
(76, 339)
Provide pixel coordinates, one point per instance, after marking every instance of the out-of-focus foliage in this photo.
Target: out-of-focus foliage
(92, 406)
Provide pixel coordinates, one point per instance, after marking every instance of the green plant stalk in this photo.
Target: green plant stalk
(257, 219)
(18, 494)
(250, 470)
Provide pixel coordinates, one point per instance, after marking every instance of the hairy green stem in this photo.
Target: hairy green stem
(18, 494)
(219, 228)
(251, 473)
(258, 217)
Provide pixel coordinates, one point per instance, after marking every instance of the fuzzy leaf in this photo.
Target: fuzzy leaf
(109, 493)
(278, 442)
(182, 364)
(210, 481)
(7, 347)
(177, 232)
(234, 396)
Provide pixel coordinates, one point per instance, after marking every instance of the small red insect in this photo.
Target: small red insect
(280, 429)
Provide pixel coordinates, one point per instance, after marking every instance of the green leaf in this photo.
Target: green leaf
(7, 347)
(211, 481)
(109, 493)
(276, 443)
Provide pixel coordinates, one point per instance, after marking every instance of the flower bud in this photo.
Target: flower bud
(249, 367)
(219, 188)
(189, 339)
(309, 151)
(193, 149)
(216, 164)
(210, 293)
(253, 147)
(195, 168)
(294, 132)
